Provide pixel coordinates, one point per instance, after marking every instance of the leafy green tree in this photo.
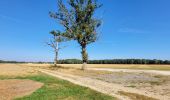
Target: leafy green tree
(77, 18)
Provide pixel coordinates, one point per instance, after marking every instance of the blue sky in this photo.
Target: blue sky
(130, 29)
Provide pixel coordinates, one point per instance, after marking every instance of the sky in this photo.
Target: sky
(130, 29)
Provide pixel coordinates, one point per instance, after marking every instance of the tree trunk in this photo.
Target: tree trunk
(56, 55)
(84, 57)
(56, 59)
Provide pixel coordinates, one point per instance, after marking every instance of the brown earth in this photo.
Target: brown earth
(10, 89)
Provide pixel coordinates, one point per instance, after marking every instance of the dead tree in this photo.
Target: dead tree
(55, 44)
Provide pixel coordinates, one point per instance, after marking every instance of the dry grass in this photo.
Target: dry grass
(121, 66)
(134, 96)
(69, 69)
(15, 70)
(114, 66)
(79, 72)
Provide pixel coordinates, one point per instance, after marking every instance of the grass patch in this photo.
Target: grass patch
(134, 96)
(57, 89)
(155, 83)
(132, 86)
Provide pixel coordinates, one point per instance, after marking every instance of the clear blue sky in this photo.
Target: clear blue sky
(131, 29)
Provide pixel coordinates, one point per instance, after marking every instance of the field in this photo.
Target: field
(114, 66)
(24, 83)
(136, 82)
(123, 66)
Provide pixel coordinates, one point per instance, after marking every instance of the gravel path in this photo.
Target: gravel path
(101, 86)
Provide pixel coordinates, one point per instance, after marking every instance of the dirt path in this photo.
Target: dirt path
(101, 86)
(132, 70)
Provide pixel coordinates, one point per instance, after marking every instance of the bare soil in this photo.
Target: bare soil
(150, 83)
(10, 89)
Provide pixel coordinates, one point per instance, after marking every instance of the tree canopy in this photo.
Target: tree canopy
(79, 22)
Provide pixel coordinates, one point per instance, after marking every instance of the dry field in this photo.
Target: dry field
(122, 66)
(114, 66)
(15, 70)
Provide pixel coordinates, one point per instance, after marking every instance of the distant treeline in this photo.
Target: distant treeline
(107, 61)
(116, 61)
(1, 61)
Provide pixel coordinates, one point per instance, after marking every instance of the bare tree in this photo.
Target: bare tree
(55, 44)
(79, 23)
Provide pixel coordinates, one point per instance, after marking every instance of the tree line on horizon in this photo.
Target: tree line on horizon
(106, 61)
(116, 61)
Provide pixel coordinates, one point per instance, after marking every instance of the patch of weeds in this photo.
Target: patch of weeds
(132, 86)
(155, 83)
(157, 76)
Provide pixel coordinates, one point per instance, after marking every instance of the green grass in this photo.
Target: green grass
(132, 86)
(57, 89)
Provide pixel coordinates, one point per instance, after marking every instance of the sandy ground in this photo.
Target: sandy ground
(13, 88)
(10, 89)
(150, 83)
(157, 82)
